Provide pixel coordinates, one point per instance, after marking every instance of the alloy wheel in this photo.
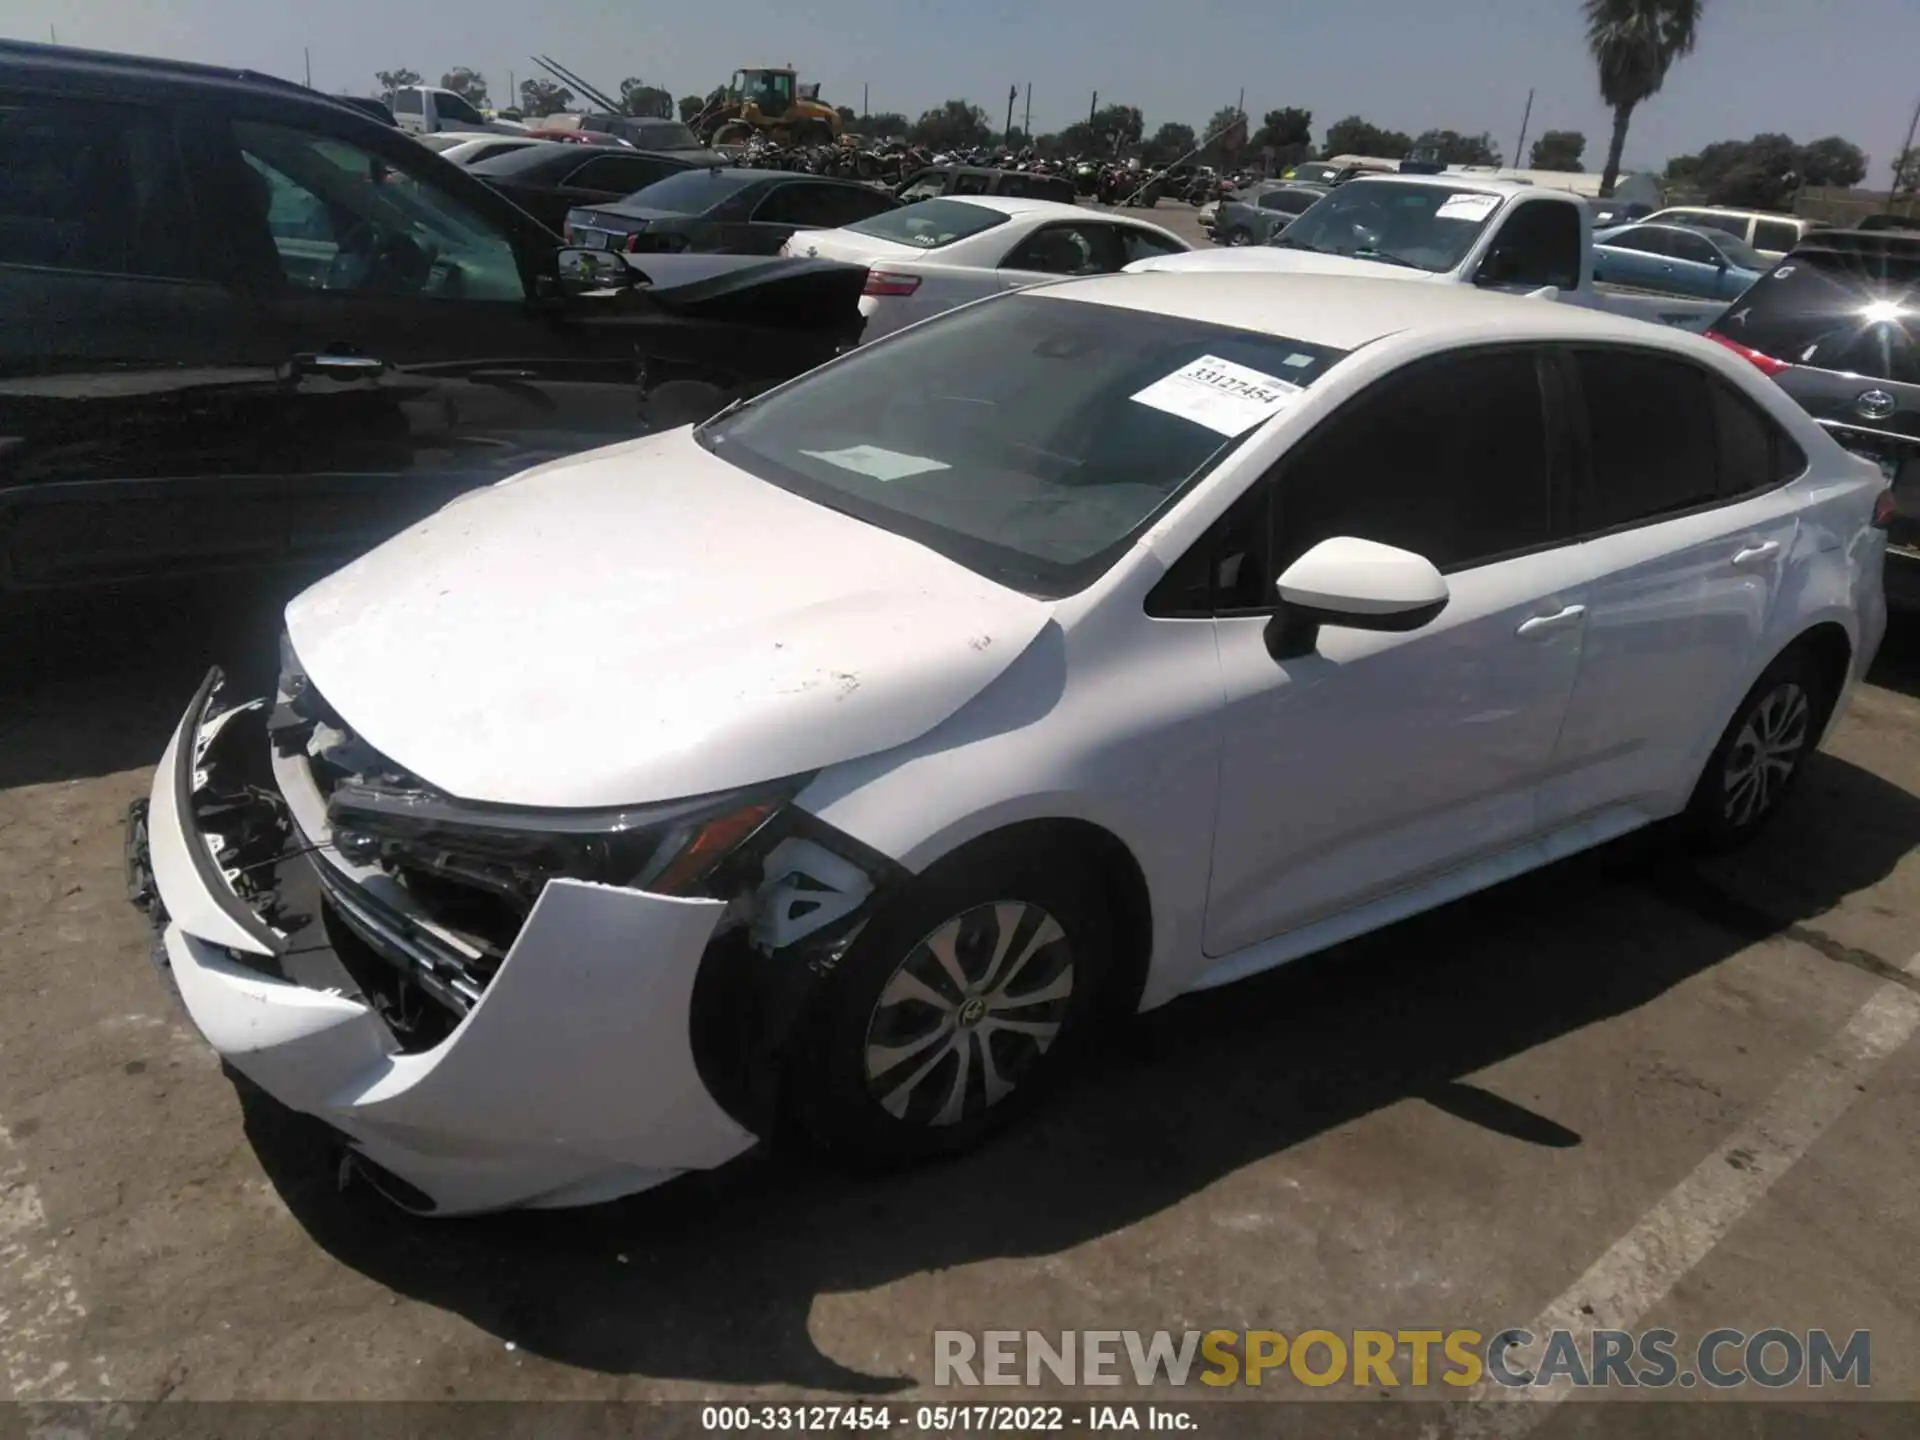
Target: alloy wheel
(1765, 752)
(968, 1014)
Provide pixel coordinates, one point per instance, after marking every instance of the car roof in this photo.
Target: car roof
(131, 76)
(1016, 204)
(1457, 182)
(1344, 312)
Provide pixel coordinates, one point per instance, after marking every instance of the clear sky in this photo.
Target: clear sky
(1804, 67)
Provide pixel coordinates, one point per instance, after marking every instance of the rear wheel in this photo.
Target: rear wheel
(1761, 753)
(957, 1009)
(1239, 235)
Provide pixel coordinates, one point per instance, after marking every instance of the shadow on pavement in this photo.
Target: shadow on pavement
(722, 1268)
(95, 684)
(1897, 666)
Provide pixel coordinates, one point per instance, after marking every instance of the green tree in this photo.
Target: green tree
(1226, 135)
(392, 80)
(1906, 171)
(469, 84)
(650, 101)
(885, 124)
(1831, 160)
(849, 117)
(1634, 43)
(1558, 150)
(1288, 133)
(543, 97)
(1113, 130)
(1355, 136)
(956, 125)
(1171, 142)
(1018, 139)
(691, 105)
(1450, 147)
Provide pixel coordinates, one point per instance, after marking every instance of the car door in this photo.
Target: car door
(1636, 257)
(1685, 532)
(418, 360)
(1695, 266)
(1382, 758)
(140, 394)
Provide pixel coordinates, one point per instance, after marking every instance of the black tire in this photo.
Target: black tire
(932, 1098)
(1761, 754)
(1239, 235)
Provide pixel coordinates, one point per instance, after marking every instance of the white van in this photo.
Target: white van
(429, 110)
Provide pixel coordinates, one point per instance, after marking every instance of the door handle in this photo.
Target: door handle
(1755, 554)
(335, 366)
(1546, 624)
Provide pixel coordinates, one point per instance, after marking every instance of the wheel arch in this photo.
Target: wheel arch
(1110, 862)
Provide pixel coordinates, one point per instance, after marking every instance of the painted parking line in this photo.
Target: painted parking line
(1623, 1286)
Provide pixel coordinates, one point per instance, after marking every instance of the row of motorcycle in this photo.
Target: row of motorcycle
(891, 163)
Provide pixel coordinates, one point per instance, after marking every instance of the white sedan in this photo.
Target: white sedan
(857, 755)
(930, 256)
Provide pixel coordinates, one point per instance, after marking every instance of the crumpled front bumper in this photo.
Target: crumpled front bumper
(571, 1080)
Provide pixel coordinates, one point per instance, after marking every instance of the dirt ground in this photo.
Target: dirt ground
(1648, 1093)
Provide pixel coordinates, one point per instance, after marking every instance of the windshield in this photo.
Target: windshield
(1854, 312)
(662, 135)
(1425, 227)
(930, 224)
(693, 192)
(1029, 438)
(1739, 252)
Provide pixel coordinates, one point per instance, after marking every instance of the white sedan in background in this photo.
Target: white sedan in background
(929, 257)
(857, 755)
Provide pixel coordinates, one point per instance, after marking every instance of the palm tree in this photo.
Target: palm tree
(1634, 42)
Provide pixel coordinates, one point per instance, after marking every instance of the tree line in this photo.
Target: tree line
(1633, 45)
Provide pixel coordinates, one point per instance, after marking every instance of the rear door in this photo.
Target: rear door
(1696, 267)
(1640, 257)
(418, 362)
(1686, 531)
(140, 397)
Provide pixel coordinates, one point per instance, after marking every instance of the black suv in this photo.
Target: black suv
(1837, 324)
(248, 325)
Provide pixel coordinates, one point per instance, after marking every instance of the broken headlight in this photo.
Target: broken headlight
(675, 848)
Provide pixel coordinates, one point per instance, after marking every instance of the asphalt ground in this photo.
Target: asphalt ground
(1621, 1092)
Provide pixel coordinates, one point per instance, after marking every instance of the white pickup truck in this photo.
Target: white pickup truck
(429, 110)
(1449, 230)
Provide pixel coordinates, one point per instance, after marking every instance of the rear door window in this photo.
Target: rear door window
(1651, 438)
(1648, 240)
(1539, 244)
(1755, 453)
(1074, 248)
(1835, 310)
(1775, 235)
(619, 174)
(93, 187)
(1696, 249)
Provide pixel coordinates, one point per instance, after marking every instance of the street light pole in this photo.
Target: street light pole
(1906, 154)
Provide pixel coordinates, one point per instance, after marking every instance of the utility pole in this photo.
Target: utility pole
(53, 35)
(1027, 123)
(1094, 108)
(865, 109)
(1519, 146)
(306, 52)
(1241, 104)
(1013, 94)
(513, 95)
(1905, 153)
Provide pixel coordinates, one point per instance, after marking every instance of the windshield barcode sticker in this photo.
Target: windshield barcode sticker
(1226, 398)
(1466, 207)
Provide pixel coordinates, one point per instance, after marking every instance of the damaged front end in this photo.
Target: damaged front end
(496, 1005)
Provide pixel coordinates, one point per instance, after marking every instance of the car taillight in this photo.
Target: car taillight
(1883, 508)
(633, 242)
(1764, 363)
(886, 282)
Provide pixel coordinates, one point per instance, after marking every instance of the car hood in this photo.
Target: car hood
(1272, 259)
(647, 622)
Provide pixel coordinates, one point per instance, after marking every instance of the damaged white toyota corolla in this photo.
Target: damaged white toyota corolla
(855, 755)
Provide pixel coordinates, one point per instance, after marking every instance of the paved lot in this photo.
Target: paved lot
(1446, 1124)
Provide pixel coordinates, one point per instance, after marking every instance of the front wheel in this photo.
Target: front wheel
(960, 1006)
(1761, 753)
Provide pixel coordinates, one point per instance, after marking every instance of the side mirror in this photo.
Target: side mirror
(588, 271)
(1358, 585)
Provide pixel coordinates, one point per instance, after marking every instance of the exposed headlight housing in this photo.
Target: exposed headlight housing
(677, 847)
